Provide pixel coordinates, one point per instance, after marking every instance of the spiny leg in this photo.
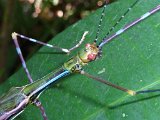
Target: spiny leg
(52, 46)
(37, 103)
(126, 27)
(100, 22)
(112, 28)
(119, 20)
(130, 92)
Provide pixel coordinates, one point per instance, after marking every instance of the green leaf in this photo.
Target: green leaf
(131, 61)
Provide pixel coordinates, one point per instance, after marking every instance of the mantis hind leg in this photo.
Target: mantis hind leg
(37, 102)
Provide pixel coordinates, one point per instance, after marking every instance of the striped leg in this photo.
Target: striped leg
(37, 103)
(126, 27)
(120, 19)
(100, 22)
(112, 28)
(52, 46)
(130, 92)
(14, 37)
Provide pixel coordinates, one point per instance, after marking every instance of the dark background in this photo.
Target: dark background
(21, 16)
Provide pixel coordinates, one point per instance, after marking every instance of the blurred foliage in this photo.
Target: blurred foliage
(21, 16)
(131, 60)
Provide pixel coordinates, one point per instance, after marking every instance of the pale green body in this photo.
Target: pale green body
(17, 98)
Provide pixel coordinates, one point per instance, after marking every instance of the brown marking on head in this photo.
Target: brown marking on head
(89, 53)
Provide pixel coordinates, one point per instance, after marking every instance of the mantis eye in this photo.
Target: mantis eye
(88, 45)
(91, 57)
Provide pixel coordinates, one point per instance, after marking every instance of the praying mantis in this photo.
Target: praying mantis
(92, 57)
